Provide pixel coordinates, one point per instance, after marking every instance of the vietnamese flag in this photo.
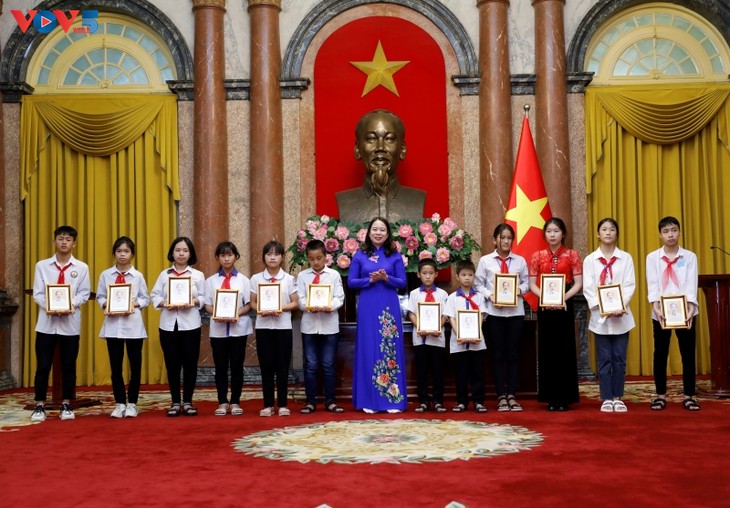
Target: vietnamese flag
(528, 208)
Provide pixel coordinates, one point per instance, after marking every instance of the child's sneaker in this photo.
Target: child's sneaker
(267, 411)
(284, 411)
(131, 410)
(39, 414)
(119, 411)
(65, 413)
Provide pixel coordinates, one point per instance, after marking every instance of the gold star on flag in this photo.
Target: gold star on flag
(379, 71)
(526, 213)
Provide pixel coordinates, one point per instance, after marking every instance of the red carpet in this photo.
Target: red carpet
(641, 458)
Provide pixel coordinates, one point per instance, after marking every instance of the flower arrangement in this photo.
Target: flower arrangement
(441, 240)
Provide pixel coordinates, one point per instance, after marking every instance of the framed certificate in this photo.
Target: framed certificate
(674, 309)
(179, 291)
(58, 298)
(225, 304)
(610, 299)
(119, 299)
(468, 326)
(269, 297)
(552, 290)
(429, 317)
(319, 295)
(505, 289)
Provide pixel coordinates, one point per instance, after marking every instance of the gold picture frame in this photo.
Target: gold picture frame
(674, 308)
(505, 289)
(552, 290)
(179, 291)
(119, 299)
(269, 297)
(319, 296)
(468, 326)
(428, 317)
(610, 299)
(225, 304)
(58, 298)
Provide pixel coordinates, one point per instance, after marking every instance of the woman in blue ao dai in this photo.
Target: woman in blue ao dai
(377, 270)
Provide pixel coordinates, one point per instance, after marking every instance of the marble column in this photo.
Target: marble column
(551, 106)
(495, 115)
(210, 145)
(266, 158)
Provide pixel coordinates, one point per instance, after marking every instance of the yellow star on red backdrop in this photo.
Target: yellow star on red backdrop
(380, 71)
(526, 214)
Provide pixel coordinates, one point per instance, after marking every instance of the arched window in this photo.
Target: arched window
(657, 43)
(121, 56)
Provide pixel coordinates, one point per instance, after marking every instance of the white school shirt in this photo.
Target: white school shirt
(623, 273)
(686, 271)
(440, 296)
(187, 319)
(240, 282)
(123, 327)
(320, 323)
(453, 303)
(288, 288)
(484, 282)
(77, 275)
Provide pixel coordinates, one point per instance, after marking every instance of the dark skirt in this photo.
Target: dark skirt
(556, 356)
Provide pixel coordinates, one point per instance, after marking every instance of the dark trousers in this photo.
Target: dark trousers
(274, 348)
(115, 347)
(228, 352)
(45, 347)
(181, 350)
(429, 359)
(503, 335)
(469, 371)
(686, 340)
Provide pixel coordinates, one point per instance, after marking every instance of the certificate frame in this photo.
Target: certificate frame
(610, 299)
(428, 317)
(552, 289)
(119, 299)
(225, 304)
(319, 296)
(179, 291)
(505, 289)
(468, 326)
(674, 308)
(269, 297)
(58, 298)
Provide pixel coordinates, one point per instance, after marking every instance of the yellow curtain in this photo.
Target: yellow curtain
(653, 152)
(108, 166)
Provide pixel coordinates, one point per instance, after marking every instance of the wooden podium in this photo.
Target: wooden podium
(717, 295)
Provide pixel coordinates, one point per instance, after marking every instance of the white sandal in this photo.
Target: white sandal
(236, 410)
(619, 406)
(222, 410)
(607, 406)
(267, 411)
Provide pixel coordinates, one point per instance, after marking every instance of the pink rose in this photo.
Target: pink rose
(394, 390)
(362, 234)
(343, 261)
(436, 217)
(445, 229)
(425, 228)
(430, 239)
(312, 226)
(450, 222)
(301, 245)
(457, 242)
(341, 232)
(329, 260)
(301, 234)
(412, 243)
(442, 255)
(320, 233)
(425, 254)
(325, 218)
(405, 230)
(397, 246)
(331, 244)
(350, 246)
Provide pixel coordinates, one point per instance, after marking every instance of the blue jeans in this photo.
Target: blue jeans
(319, 350)
(611, 350)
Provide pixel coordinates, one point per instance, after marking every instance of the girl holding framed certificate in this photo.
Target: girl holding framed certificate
(556, 357)
(180, 322)
(227, 300)
(608, 285)
(505, 312)
(122, 294)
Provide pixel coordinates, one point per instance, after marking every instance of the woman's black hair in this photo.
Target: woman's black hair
(171, 253)
(367, 245)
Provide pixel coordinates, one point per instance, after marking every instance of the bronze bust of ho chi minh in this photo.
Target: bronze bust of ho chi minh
(380, 144)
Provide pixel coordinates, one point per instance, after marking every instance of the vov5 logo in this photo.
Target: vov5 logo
(46, 21)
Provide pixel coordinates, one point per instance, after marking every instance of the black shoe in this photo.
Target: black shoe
(552, 407)
(563, 407)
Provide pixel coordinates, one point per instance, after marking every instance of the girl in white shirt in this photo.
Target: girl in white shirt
(127, 328)
(228, 335)
(273, 329)
(610, 265)
(180, 325)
